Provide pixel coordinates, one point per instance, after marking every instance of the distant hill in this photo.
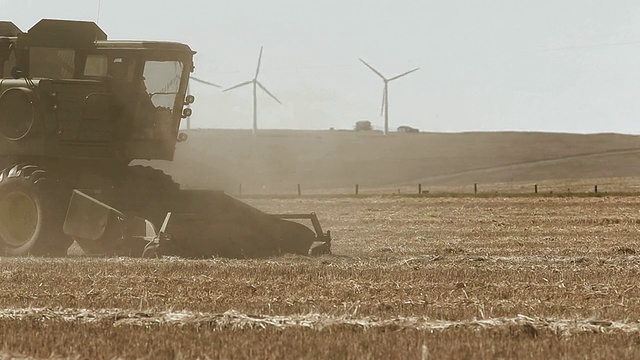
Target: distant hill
(278, 159)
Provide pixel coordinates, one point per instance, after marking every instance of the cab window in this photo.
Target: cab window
(162, 81)
(96, 65)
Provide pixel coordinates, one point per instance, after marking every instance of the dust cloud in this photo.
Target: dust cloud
(275, 161)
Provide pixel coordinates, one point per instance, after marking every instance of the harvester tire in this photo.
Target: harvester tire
(32, 211)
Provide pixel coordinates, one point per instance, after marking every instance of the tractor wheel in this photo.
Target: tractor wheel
(32, 211)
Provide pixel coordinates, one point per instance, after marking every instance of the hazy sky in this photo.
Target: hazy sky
(548, 65)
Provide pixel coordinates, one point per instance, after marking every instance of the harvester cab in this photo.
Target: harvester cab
(125, 95)
(75, 110)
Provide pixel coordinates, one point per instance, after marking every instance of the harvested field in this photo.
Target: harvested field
(484, 278)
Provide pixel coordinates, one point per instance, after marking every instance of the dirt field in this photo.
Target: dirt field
(414, 278)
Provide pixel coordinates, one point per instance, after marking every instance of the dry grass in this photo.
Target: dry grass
(103, 341)
(458, 278)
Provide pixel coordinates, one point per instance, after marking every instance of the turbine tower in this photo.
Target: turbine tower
(198, 80)
(385, 93)
(256, 84)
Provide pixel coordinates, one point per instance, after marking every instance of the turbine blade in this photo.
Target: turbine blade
(204, 81)
(239, 85)
(372, 69)
(384, 100)
(259, 61)
(403, 74)
(267, 91)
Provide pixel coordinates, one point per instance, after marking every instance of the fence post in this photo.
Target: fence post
(596, 189)
(299, 190)
(535, 188)
(357, 189)
(419, 189)
(475, 188)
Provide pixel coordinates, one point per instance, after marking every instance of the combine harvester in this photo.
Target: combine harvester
(75, 110)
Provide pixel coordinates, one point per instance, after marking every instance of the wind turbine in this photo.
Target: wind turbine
(198, 80)
(385, 93)
(256, 84)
